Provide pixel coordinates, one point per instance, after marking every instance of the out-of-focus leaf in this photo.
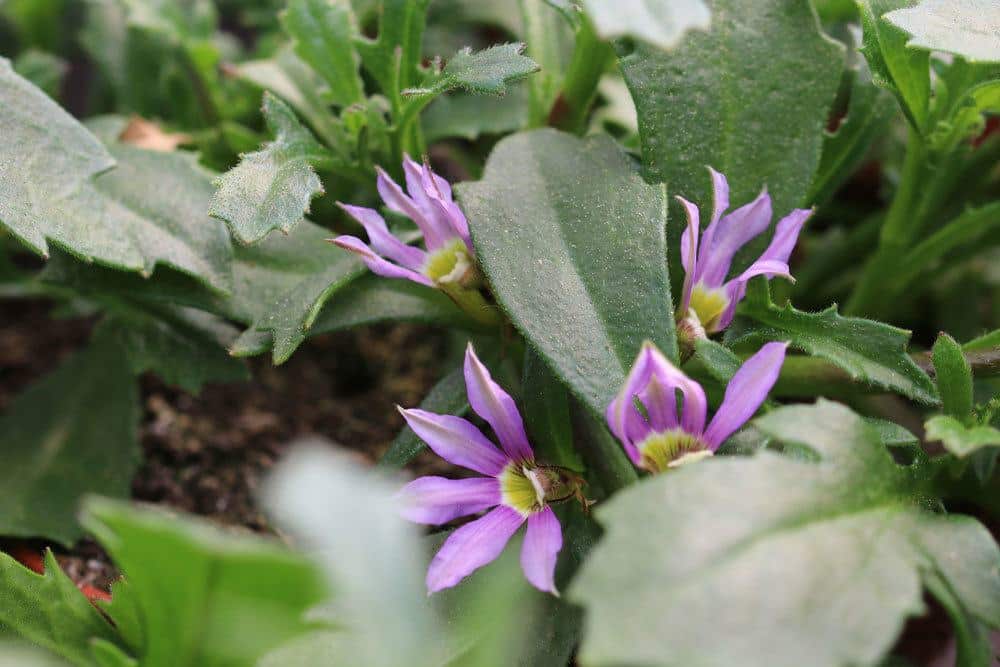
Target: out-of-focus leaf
(270, 188)
(49, 611)
(43, 69)
(661, 23)
(72, 433)
(549, 37)
(868, 351)
(586, 280)
(468, 116)
(966, 119)
(205, 597)
(959, 439)
(904, 71)
(793, 543)
(726, 98)
(954, 377)
(393, 58)
(323, 32)
(967, 28)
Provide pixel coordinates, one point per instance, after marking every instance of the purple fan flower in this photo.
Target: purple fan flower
(448, 262)
(518, 489)
(661, 436)
(709, 300)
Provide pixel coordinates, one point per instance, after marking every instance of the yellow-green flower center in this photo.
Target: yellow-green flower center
(670, 449)
(450, 263)
(708, 305)
(528, 487)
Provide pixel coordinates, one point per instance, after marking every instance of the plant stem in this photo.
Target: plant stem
(591, 56)
(897, 232)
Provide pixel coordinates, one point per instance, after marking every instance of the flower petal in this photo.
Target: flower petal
(745, 392)
(736, 288)
(470, 547)
(434, 192)
(660, 402)
(396, 200)
(689, 250)
(378, 265)
(437, 500)
(495, 405)
(786, 234)
(542, 542)
(720, 192)
(722, 240)
(456, 440)
(381, 239)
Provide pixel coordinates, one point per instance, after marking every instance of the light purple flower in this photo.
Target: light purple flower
(448, 258)
(658, 436)
(518, 489)
(709, 300)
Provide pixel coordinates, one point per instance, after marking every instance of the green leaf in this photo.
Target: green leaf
(48, 610)
(184, 347)
(793, 544)
(204, 597)
(323, 31)
(661, 23)
(548, 31)
(954, 377)
(447, 397)
(983, 343)
(270, 188)
(468, 116)
(585, 281)
(72, 433)
(546, 414)
(720, 362)
(483, 72)
(967, 28)
(959, 439)
(393, 59)
(192, 19)
(43, 69)
(372, 558)
(725, 98)
(869, 112)
(867, 350)
(904, 71)
(966, 118)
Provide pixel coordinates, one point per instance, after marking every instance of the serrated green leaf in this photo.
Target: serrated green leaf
(485, 72)
(966, 119)
(323, 32)
(867, 350)
(271, 188)
(954, 377)
(959, 439)
(585, 281)
(206, 597)
(72, 433)
(904, 71)
(393, 58)
(184, 347)
(967, 28)
(661, 23)
(725, 98)
(792, 545)
(49, 611)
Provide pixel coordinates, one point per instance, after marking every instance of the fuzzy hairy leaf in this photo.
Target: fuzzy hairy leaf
(661, 23)
(960, 439)
(967, 28)
(72, 433)
(585, 281)
(954, 377)
(323, 32)
(205, 597)
(794, 544)
(869, 351)
(271, 188)
(486, 72)
(48, 610)
(725, 98)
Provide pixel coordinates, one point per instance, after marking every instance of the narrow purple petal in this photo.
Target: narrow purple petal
(730, 234)
(382, 240)
(434, 193)
(542, 542)
(745, 392)
(456, 440)
(437, 500)
(785, 235)
(492, 403)
(660, 402)
(470, 547)
(736, 288)
(378, 265)
(623, 418)
(689, 250)
(396, 200)
(720, 191)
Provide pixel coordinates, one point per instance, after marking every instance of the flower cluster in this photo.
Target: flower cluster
(709, 301)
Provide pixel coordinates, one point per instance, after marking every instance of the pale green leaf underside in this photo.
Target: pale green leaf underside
(959, 439)
(662, 23)
(806, 563)
(72, 433)
(572, 241)
(967, 28)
